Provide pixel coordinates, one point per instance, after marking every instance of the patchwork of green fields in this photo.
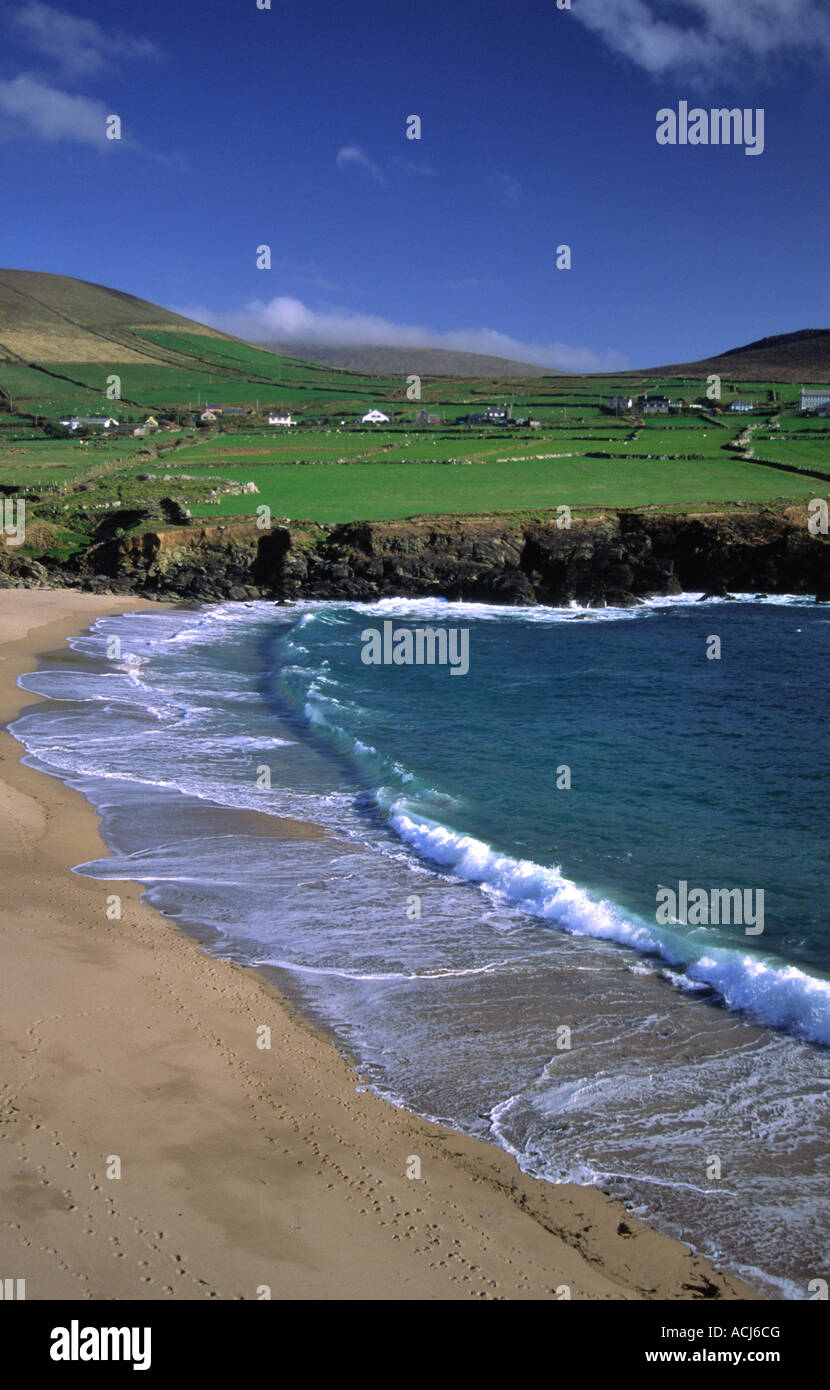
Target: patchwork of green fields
(580, 456)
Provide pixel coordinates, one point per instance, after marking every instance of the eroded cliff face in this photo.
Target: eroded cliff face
(615, 558)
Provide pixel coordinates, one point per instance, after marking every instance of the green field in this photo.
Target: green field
(346, 474)
(795, 452)
(38, 461)
(359, 491)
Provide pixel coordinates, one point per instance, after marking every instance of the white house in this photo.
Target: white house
(375, 417)
(742, 406)
(815, 399)
(105, 422)
(280, 418)
(654, 405)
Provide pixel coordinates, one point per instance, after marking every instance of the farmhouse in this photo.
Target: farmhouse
(493, 415)
(375, 417)
(812, 400)
(104, 422)
(741, 405)
(280, 417)
(424, 418)
(654, 405)
(617, 403)
(137, 431)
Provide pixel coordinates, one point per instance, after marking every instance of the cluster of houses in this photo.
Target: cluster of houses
(211, 413)
(494, 415)
(501, 415)
(110, 425)
(661, 405)
(645, 405)
(813, 399)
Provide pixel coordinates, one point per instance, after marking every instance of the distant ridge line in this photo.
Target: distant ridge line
(47, 317)
(385, 361)
(803, 356)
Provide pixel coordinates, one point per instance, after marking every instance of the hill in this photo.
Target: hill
(69, 346)
(792, 357)
(387, 361)
(55, 318)
(62, 340)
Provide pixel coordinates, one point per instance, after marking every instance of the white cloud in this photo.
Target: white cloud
(37, 109)
(286, 320)
(30, 105)
(80, 47)
(355, 156)
(708, 36)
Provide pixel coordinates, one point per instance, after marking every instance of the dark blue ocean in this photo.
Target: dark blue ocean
(478, 927)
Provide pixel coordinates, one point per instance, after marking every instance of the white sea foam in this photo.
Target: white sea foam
(439, 608)
(423, 977)
(769, 989)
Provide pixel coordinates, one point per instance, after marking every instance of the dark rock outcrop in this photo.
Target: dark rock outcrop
(19, 572)
(614, 558)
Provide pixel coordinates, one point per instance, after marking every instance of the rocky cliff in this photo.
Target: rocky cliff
(615, 559)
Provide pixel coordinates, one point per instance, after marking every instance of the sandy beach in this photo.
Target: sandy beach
(244, 1171)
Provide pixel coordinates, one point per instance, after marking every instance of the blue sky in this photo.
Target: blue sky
(286, 127)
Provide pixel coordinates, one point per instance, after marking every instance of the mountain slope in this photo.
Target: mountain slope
(791, 357)
(55, 318)
(385, 361)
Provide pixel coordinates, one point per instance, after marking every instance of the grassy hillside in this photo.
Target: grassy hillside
(54, 318)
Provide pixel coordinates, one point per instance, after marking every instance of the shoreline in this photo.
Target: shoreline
(240, 1166)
